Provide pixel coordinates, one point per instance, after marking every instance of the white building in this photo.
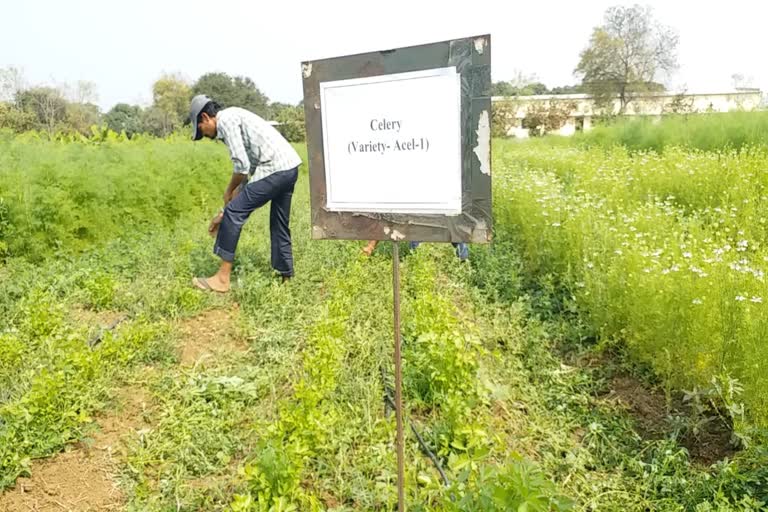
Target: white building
(576, 111)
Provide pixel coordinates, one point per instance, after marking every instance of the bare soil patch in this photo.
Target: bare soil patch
(209, 334)
(647, 406)
(70, 481)
(649, 410)
(101, 319)
(82, 478)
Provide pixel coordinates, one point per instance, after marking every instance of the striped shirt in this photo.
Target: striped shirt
(256, 147)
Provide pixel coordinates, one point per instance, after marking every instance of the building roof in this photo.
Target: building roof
(668, 94)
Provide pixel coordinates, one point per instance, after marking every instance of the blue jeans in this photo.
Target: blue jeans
(278, 188)
(462, 249)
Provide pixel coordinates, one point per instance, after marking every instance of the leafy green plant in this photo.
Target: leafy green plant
(516, 485)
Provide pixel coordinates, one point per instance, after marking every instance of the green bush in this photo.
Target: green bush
(665, 253)
(709, 132)
(63, 198)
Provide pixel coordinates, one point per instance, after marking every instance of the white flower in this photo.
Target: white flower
(756, 300)
(740, 298)
(555, 224)
(687, 255)
(618, 251)
(590, 265)
(697, 301)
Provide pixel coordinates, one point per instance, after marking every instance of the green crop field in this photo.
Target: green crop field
(606, 353)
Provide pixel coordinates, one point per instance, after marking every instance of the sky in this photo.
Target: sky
(123, 47)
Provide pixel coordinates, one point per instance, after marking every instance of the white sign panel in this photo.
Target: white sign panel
(393, 143)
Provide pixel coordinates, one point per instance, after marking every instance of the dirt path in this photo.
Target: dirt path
(208, 335)
(84, 477)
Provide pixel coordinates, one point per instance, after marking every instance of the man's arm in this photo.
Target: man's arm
(233, 137)
(236, 180)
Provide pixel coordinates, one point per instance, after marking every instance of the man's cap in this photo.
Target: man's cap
(198, 103)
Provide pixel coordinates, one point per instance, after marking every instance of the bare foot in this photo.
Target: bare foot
(368, 249)
(213, 283)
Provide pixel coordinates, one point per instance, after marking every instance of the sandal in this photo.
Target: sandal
(202, 284)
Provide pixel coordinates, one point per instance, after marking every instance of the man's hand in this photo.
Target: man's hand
(213, 228)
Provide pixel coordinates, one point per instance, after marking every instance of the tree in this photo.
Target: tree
(124, 118)
(235, 91)
(626, 56)
(502, 115)
(11, 115)
(80, 117)
(47, 104)
(520, 85)
(171, 96)
(545, 117)
(11, 83)
(510, 89)
(251, 97)
(291, 121)
(82, 112)
(680, 104)
(568, 89)
(16, 119)
(276, 107)
(154, 122)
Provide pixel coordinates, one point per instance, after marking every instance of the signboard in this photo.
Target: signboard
(385, 131)
(399, 143)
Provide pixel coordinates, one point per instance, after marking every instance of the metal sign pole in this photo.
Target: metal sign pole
(398, 380)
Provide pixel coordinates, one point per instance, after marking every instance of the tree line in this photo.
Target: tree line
(629, 55)
(523, 85)
(72, 109)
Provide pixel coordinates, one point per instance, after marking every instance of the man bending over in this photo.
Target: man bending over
(265, 169)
